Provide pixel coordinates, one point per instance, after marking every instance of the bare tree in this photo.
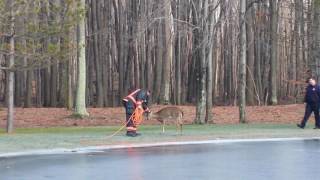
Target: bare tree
(242, 62)
(273, 51)
(316, 36)
(203, 41)
(167, 61)
(10, 89)
(81, 85)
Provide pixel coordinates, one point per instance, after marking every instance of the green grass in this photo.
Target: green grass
(72, 137)
(187, 128)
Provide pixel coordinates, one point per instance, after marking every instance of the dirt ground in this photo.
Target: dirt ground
(54, 117)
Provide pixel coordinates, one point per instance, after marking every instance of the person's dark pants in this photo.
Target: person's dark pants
(309, 109)
(129, 106)
(129, 121)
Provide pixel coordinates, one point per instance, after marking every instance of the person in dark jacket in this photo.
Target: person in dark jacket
(130, 102)
(312, 101)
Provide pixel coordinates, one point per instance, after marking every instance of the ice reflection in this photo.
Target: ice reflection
(251, 160)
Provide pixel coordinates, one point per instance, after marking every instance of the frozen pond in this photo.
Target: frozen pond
(222, 161)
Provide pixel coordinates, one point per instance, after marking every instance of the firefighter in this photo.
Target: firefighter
(138, 97)
(312, 100)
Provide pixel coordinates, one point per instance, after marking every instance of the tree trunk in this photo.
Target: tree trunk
(46, 86)
(258, 56)
(53, 17)
(70, 75)
(18, 79)
(209, 86)
(273, 49)
(242, 62)
(96, 53)
(81, 84)
(203, 41)
(28, 95)
(178, 72)
(158, 65)
(250, 90)
(209, 56)
(169, 33)
(54, 84)
(10, 89)
(316, 36)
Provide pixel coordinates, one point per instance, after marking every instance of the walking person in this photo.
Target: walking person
(312, 101)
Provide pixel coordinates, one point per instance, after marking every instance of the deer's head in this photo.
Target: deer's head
(147, 115)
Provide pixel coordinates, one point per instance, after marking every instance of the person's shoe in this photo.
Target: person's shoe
(138, 134)
(317, 127)
(131, 134)
(300, 126)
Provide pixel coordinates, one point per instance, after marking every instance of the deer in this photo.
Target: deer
(168, 114)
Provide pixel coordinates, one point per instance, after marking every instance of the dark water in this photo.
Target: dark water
(288, 160)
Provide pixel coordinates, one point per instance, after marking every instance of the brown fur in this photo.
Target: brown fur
(168, 114)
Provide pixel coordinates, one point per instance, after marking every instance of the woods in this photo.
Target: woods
(60, 53)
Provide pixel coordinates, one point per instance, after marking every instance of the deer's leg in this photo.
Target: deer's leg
(176, 128)
(163, 124)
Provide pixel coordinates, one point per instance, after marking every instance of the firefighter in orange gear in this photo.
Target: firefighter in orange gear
(136, 98)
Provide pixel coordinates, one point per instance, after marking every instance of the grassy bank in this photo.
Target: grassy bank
(72, 137)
